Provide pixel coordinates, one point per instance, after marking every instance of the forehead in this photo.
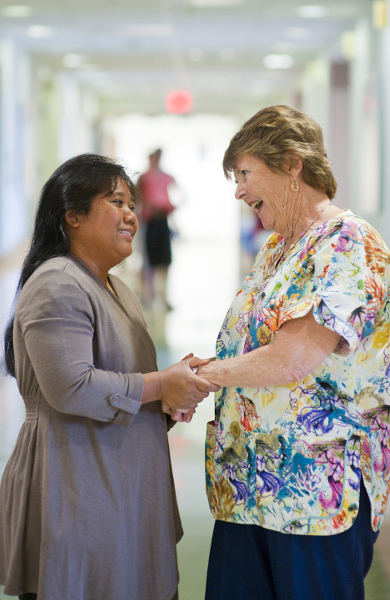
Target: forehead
(246, 161)
(120, 188)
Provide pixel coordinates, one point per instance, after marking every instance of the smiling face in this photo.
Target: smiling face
(103, 238)
(267, 192)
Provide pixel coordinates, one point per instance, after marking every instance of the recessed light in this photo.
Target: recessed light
(278, 61)
(17, 11)
(40, 31)
(311, 12)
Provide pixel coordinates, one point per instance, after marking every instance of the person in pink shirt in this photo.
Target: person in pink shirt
(153, 186)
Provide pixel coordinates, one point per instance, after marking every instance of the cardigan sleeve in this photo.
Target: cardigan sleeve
(57, 325)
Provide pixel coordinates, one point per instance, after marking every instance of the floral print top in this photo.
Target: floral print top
(291, 457)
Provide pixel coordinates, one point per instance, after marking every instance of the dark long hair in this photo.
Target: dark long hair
(72, 186)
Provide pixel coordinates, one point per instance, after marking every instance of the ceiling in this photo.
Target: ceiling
(132, 52)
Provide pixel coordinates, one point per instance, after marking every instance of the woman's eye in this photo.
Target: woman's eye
(119, 202)
(244, 172)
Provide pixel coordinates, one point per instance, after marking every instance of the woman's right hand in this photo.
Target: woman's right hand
(180, 388)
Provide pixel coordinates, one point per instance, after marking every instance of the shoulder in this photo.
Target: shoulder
(348, 225)
(346, 235)
(58, 271)
(58, 284)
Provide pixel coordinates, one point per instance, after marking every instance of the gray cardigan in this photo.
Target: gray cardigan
(87, 504)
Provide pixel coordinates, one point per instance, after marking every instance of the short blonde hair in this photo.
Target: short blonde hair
(278, 134)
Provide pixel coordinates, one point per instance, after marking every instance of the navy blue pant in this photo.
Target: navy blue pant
(34, 597)
(248, 562)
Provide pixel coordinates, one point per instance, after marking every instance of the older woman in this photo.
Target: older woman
(298, 470)
(87, 504)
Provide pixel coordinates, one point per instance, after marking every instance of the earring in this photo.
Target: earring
(294, 186)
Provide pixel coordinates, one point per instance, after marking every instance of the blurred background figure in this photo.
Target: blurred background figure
(154, 186)
(252, 238)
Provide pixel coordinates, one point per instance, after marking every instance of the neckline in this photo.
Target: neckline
(347, 211)
(278, 263)
(89, 271)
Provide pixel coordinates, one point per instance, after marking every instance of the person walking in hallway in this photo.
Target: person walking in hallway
(154, 186)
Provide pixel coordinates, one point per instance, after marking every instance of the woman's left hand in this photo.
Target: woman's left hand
(176, 415)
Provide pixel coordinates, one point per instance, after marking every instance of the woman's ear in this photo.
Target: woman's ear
(294, 165)
(72, 218)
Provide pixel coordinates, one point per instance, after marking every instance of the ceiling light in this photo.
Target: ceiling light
(228, 54)
(311, 12)
(17, 11)
(40, 31)
(278, 61)
(73, 61)
(206, 3)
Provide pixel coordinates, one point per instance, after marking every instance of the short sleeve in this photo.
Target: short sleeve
(332, 278)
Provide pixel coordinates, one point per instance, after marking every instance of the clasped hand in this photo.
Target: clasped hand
(182, 389)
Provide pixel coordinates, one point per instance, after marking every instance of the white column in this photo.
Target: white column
(69, 113)
(78, 111)
(315, 92)
(384, 126)
(14, 97)
(339, 126)
(360, 70)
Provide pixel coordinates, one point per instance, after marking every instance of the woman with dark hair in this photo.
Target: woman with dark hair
(87, 504)
(298, 472)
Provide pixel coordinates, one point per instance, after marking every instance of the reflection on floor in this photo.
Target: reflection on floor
(186, 443)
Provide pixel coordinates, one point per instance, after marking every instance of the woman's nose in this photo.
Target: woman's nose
(240, 192)
(129, 214)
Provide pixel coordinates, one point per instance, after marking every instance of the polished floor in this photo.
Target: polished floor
(180, 331)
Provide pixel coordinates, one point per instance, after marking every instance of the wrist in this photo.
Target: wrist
(152, 387)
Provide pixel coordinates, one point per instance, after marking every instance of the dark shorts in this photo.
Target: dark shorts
(253, 563)
(158, 242)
